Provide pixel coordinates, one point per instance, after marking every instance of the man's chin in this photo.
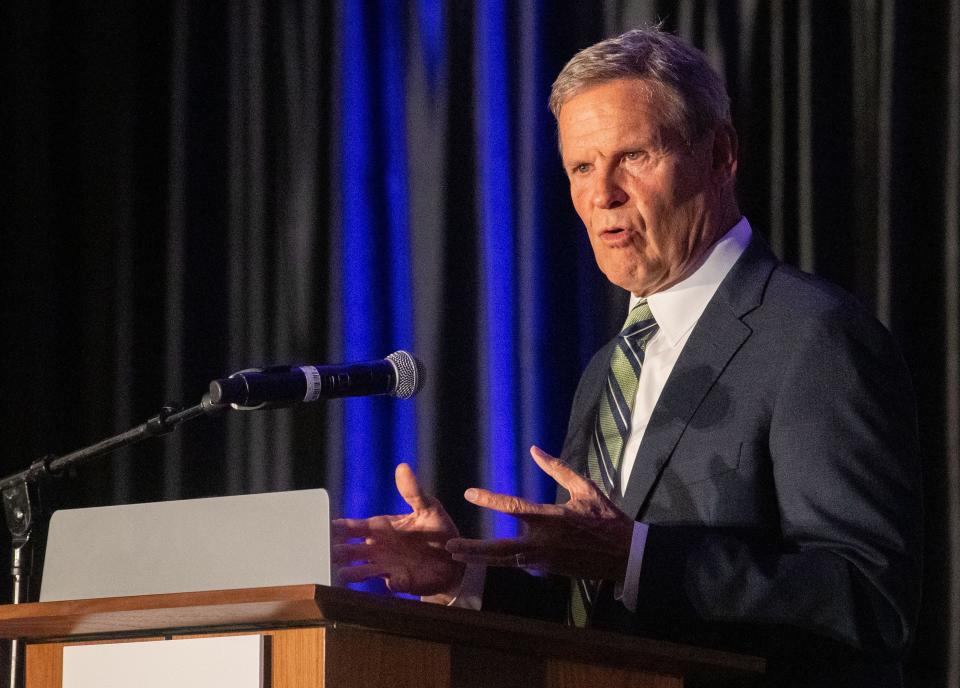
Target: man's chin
(640, 282)
(637, 288)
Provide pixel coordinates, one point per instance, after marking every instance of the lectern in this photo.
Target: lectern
(317, 636)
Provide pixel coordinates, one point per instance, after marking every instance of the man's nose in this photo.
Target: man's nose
(608, 193)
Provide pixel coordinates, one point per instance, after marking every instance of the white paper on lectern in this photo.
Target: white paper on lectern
(231, 662)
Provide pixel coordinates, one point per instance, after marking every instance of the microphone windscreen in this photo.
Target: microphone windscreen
(410, 374)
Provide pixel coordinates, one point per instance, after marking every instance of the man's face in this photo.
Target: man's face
(651, 204)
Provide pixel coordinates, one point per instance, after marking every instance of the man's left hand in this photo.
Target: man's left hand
(586, 537)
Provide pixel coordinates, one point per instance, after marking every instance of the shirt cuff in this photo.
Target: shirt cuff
(627, 591)
(471, 589)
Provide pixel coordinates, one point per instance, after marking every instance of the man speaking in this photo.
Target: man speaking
(740, 467)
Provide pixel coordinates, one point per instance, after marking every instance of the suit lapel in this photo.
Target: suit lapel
(584, 409)
(716, 337)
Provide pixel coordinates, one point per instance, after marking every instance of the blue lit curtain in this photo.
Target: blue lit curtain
(450, 199)
(193, 188)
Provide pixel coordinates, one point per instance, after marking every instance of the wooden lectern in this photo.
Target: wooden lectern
(337, 638)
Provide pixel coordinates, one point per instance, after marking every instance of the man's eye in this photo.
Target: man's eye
(633, 155)
(582, 168)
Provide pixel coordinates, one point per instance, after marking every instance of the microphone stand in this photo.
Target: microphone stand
(21, 498)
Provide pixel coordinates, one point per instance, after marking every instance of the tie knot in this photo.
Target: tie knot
(640, 321)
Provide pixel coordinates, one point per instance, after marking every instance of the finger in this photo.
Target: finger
(356, 574)
(498, 547)
(350, 527)
(409, 488)
(357, 551)
(565, 476)
(509, 504)
(502, 562)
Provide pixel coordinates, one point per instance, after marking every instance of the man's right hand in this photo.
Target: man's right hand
(407, 551)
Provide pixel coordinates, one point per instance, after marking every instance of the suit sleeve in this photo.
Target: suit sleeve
(845, 567)
(512, 591)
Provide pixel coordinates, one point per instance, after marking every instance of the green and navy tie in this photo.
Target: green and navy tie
(612, 427)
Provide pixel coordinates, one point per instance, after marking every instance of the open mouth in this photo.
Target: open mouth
(615, 236)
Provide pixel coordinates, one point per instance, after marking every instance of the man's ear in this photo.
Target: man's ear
(725, 152)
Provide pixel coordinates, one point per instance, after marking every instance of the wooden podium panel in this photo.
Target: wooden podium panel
(337, 638)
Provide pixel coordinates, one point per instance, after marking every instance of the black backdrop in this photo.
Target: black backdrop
(148, 150)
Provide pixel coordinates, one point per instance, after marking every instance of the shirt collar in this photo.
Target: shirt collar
(678, 308)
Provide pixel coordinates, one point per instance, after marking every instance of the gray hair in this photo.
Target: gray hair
(695, 93)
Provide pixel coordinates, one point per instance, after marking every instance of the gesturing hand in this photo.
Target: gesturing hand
(587, 537)
(406, 550)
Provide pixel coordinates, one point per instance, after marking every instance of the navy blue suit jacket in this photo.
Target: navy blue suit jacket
(780, 479)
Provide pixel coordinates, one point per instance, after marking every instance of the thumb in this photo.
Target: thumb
(409, 488)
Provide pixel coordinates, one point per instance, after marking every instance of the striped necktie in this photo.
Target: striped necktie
(611, 427)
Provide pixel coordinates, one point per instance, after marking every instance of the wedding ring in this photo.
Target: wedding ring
(521, 561)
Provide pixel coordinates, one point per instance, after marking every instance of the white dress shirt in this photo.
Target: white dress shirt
(676, 311)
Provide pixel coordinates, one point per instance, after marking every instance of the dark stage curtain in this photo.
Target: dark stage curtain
(193, 188)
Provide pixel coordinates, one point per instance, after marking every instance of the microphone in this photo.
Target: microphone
(400, 374)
